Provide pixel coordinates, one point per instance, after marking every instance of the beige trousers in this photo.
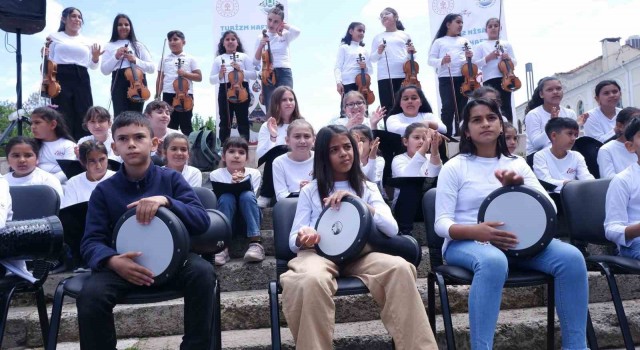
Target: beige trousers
(308, 306)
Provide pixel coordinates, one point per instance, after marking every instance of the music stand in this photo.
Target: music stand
(18, 122)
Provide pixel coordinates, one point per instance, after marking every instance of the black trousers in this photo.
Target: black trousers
(240, 110)
(347, 88)
(74, 98)
(448, 103)
(179, 120)
(505, 96)
(103, 290)
(121, 102)
(387, 96)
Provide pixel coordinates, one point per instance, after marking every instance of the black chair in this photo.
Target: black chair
(588, 147)
(73, 285)
(283, 215)
(584, 205)
(29, 202)
(453, 275)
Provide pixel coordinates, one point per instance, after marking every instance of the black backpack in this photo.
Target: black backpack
(203, 150)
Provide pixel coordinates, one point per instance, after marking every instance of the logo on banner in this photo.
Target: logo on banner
(227, 8)
(485, 3)
(268, 5)
(442, 7)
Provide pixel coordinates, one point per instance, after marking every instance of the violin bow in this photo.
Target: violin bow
(113, 84)
(159, 85)
(393, 95)
(225, 95)
(456, 123)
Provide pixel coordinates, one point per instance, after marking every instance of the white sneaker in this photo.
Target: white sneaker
(255, 253)
(222, 257)
(263, 202)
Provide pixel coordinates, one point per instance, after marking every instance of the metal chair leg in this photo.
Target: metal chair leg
(216, 324)
(56, 314)
(5, 300)
(431, 301)
(617, 303)
(592, 341)
(446, 312)
(551, 327)
(41, 304)
(274, 309)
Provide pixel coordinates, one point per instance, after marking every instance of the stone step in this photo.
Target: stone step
(250, 310)
(525, 327)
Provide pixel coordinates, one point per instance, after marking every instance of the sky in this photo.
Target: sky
(555, 36)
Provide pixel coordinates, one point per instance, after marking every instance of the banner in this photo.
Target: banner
(247, 18)
(475, 14)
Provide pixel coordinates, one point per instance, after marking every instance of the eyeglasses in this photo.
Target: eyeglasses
(354, 104)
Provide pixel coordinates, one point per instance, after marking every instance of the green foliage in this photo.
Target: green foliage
(198, 121)
(6, 108)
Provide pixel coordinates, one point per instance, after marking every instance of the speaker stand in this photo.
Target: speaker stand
(21, 119)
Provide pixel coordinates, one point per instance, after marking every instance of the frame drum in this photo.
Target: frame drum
(527, 213)
(344, 232)
(164, 242)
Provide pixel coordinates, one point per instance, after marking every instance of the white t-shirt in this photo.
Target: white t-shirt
(613, 158)
(242, 59)
(6, 213)
(107, 143)
(66, 49)
(374, 169)
(396, 54)
(288, 173)
(398, 123)
(535, 121)
(264, 139)
(37, 177)
(623, 205)
(464, 183)
(309, 209)
(418, 166)
(193, 175)
(50, 151)
(110, 63)
(347, 64)
(170, 68)
(454, 46)
(599, 126)
(490, 69)
(279, 45)
(223, 175)
(556, 171)
(79, 188)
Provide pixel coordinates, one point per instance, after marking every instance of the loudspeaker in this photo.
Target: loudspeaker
(27, 15)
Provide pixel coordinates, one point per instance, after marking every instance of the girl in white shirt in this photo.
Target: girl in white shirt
(600, 121)
(22, 156)
(279, 35)
(283, 110)
(54, 141)
(511, 137)
(613, 156)
(390, 50)
(176, 154)
(123, 51)
(411, 107)
(487, 56)
(416, 162)
(484, 165)
(234, 170)
(447, 55)
(231, 57)
(73, 53)
(98, 122)
(93, 156)
(352, 58)
(354, 107)
(371, 160)
(309, 284)
(293, 170)
(544, 105)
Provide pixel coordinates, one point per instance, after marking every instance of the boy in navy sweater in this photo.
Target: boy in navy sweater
(147, 187)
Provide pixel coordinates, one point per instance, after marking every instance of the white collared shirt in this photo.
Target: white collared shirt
(170, 68)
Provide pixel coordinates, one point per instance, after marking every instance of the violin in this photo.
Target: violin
(268, 75)
(50, 87)
(363, 81)
(510, 82)
(411, 70)
(182, 102)
(470, 73)
(236, 93)
(137, 91)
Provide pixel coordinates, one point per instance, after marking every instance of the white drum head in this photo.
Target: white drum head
(153, 240)
(522, 215)
(339, 229)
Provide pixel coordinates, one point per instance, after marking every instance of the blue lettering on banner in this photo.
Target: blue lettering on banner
(241, 27)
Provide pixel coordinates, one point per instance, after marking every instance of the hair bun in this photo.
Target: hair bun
(279, 6)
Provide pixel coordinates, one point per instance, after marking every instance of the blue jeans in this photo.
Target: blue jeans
(490, 267)
(283, 77)
(632, 251)
(227, 204)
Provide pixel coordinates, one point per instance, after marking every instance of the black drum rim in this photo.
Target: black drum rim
(545, 203)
